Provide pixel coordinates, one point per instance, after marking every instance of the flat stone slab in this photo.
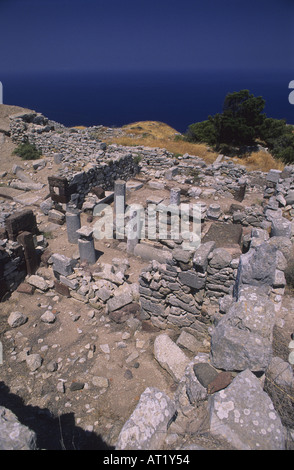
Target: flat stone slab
(244, 415)
(134, 185)
(154, 200)
(223, 234)
(170, 356)
(10, 193)
(146, 428)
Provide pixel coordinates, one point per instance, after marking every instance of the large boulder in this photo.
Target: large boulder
(147, 426)
(170, 356)
(243, 337)
(244, 415)
(14, 435)
(257, 268)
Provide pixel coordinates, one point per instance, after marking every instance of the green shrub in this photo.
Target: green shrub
(27, 151)
(243, 123)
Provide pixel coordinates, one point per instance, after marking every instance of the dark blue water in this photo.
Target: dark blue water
(115, 99)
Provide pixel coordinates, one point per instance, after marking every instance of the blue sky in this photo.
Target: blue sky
(96, 35)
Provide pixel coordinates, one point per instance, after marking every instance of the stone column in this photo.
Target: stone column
(175, 196)
(30, 254)
(214, 211)
(86, 245)
(240, 192)
(134, 228)
(119, 207)
(73, 223)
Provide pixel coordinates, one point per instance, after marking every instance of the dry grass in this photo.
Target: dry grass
(262, 160)
(161, 135)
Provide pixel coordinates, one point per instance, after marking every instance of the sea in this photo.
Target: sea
(113, 99)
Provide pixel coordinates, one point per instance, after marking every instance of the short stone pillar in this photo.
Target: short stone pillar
(175, 196)
(30, 254)
(119, 207)
(240, 191)
(214, 211)
(86, 245)
(134, 227)
(73, 223)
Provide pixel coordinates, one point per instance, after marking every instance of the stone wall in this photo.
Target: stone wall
(18, 255)
(177, 292)
(84, 161)
(12, 267)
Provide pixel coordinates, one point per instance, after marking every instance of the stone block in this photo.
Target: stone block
(24, 221)
(62, 264)
(200, 259)
(281, 227)
(59, 189)
(170, 356)
(61, 289)
(56, 217)
(119, 301)
(13, 434)
(246, 424)
(147, 426)
(192, 279)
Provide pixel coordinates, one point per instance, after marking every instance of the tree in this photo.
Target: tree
(242, 123)
(238, 124)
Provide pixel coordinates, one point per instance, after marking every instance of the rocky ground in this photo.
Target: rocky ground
(86, 372)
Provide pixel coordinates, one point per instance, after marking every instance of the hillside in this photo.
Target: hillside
(158, 134)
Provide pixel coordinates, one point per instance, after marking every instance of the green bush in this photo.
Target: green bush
(27, 151)
(243, 123)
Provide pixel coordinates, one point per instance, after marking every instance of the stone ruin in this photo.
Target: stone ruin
(221, 296)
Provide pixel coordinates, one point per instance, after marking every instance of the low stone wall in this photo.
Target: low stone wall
(176, 292)
(12, 267)
(18, 255)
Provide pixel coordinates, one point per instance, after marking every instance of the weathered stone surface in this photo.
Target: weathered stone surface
(188, 341)
(48, 317)
(290, 197)
(38, 282)
(147, 426)
(205, 373)
(192, 279)
(149, 253)
(243, 337)
(14, 435)
(244, 415)
(34, 361)
(273, 176)
(124, 313)
(221, 258)
(16, 319)
(61, 288)
(222, 380)
(170, 356)
(257, 267)
(200, 258)
(280, 372)
(190, 390)
(281, 227)
(25, 288)
(119, 300)
(62, 264)
(182, 255)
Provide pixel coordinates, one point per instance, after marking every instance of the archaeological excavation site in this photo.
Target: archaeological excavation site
(146, 296)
